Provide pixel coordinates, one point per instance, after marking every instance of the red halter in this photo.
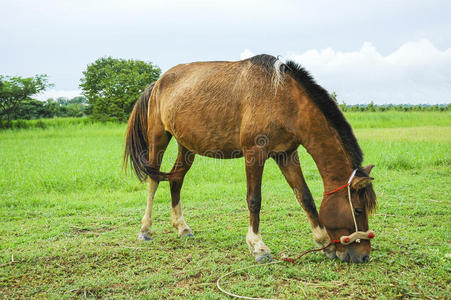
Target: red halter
(357, 235)
(342, 187)
(346, 239)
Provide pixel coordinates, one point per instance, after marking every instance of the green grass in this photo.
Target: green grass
(47, 123)
(70, 219)
(394, 119)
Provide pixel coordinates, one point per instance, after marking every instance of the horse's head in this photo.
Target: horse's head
(336, 214)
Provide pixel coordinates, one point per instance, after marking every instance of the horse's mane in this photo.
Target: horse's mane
(330, 110)
(321, 98)
(265, 61)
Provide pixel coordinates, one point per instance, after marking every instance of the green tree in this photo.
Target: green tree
(112, 86)
(15, 90)
(78, 100)
(52, 109)
(29, 109)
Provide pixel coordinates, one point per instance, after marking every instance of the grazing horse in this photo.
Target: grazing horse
(257, 108)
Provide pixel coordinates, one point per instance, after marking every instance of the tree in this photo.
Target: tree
(15, 90)
(112, 86)
(29, 109)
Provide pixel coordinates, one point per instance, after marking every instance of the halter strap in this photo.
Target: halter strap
(348, 185)
(356, 235)
(336, 190)
(343, 186)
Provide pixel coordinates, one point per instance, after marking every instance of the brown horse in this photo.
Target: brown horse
(258, 108)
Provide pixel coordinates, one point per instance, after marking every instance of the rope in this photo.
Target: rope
(241, 269)
(292, 260)
(348, 185)
(352, 209)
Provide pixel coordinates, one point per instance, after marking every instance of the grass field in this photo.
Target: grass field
(69, 219)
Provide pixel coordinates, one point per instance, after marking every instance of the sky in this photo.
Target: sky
(383, 51)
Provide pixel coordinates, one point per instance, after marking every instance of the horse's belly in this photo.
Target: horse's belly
(208, 145)
(205, 135)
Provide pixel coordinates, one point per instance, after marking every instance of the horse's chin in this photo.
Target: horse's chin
(348, 257)
(343, 256)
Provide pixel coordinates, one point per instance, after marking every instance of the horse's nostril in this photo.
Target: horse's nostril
(366, 258)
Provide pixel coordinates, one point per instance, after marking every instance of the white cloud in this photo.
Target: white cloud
(246, 54)
(57, 93)
(417, 72)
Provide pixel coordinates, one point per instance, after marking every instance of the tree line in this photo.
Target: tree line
(52, 108)
(110, 88)
(394, 107)
(371, 107)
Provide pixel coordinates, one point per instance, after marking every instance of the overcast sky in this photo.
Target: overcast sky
(381, 51)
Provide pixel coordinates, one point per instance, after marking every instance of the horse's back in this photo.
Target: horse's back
(206, 106)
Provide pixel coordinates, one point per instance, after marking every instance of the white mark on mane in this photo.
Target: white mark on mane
(277, 76)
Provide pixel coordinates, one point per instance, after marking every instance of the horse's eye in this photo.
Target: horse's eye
(359, 211)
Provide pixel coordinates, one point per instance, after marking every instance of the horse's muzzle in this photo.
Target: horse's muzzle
(352, 256)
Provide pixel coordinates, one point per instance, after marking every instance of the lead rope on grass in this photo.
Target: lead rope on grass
(346, 240)
(292, 260)
(241, 269)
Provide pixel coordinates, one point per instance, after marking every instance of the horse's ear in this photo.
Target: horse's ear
(361, 182)
(368, 169)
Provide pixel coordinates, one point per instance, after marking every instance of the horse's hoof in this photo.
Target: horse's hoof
(144, 236)
(186, 235)
(264, 258)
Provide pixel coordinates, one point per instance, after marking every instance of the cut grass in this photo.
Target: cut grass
(70, 220)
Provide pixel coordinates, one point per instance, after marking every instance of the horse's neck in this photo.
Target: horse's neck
(322, 142)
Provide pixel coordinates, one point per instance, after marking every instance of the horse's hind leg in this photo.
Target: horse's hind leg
(159, 141)
(289, 165)
(183, 163)
(145, 233)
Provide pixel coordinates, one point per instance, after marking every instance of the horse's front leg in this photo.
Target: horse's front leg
(291, 169)
(254, 171)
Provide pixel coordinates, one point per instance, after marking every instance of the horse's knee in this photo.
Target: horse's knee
(307, 200)
(254, 204)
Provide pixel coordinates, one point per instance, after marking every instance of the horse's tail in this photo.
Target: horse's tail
(137, 142)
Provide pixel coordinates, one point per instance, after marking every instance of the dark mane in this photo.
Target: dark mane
(322, 99)
(330, 110)
(265, 61)
(336, 118)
